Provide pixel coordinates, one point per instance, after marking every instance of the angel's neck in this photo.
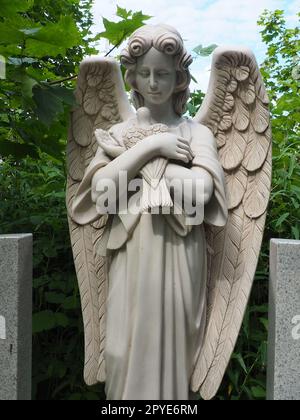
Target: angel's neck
(162, 113)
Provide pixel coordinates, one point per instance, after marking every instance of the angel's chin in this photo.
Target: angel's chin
(156, 100)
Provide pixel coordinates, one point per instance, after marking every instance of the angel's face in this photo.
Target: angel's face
(155, 77)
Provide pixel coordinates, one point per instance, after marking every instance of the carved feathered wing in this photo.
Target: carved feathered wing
(102, 102)
(236, 110)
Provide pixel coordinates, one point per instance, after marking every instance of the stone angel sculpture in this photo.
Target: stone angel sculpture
(163, 300)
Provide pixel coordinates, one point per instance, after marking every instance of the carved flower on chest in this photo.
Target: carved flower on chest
(135, 133)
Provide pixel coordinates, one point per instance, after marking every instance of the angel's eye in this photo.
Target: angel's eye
(144, 73)
(163, 73)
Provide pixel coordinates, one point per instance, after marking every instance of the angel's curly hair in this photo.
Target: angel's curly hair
(166, 39)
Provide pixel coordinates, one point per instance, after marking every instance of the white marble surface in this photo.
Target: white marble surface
(284, 321)
(15, 316)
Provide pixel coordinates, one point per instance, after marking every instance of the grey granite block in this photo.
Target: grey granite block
(15, 316)
(284, 321)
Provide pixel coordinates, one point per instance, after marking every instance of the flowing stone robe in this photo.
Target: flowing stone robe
(157, 274)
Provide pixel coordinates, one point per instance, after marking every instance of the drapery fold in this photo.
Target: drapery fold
(156, 305)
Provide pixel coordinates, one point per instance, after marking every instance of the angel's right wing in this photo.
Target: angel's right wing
(236, 110)
(102, 103)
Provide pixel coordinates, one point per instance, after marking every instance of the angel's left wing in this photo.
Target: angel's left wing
(102, 103)
(236, 110)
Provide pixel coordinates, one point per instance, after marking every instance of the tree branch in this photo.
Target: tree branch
(56, 82)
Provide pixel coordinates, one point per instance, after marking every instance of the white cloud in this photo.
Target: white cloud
(232, 22)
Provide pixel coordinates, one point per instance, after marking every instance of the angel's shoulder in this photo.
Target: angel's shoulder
(199, 128)
(200, 133)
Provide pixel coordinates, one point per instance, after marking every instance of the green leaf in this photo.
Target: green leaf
(48, 106)
(123, 13)
(258, 392)
(61, 320)
(263, 351)
(296, 232)
(260, 309)
(71, 302)
(43, 321)
(264, 322)
(47, 320)
(57, 369)
(116, 32)
(293, 163)
(50, 101)
(27, 83)
(27, 86)
(10, 35)
(53, 297)
(17, 150)
(9, 49)
(10, 7)
(66, 95)
(53, 39)
(296, 189)
(281, 219)
(240, 360)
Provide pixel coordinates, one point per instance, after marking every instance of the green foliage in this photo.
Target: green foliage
(32, 193)
(116, 32)
(43, 47)
(205, 51)
(195, 102)
(280, 73)
(33, 126)
(52, 39)
(9, 7)
(40, 46)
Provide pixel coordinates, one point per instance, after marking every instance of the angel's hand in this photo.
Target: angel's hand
(108, 143)
(171, 146)
(111, 150)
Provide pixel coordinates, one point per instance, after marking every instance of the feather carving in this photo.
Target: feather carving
(102, 102)
(244, 147)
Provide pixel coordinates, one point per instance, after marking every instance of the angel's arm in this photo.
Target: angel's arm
(204, 149)
(194, 176)
(132, 160)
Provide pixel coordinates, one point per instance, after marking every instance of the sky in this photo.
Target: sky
(221, 22)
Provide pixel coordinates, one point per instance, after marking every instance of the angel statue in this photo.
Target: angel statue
(163, 298)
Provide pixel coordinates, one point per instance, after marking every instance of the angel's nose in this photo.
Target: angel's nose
(153, 82)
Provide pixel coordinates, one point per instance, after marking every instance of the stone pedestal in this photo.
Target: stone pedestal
(15, 316)
(284, 321)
